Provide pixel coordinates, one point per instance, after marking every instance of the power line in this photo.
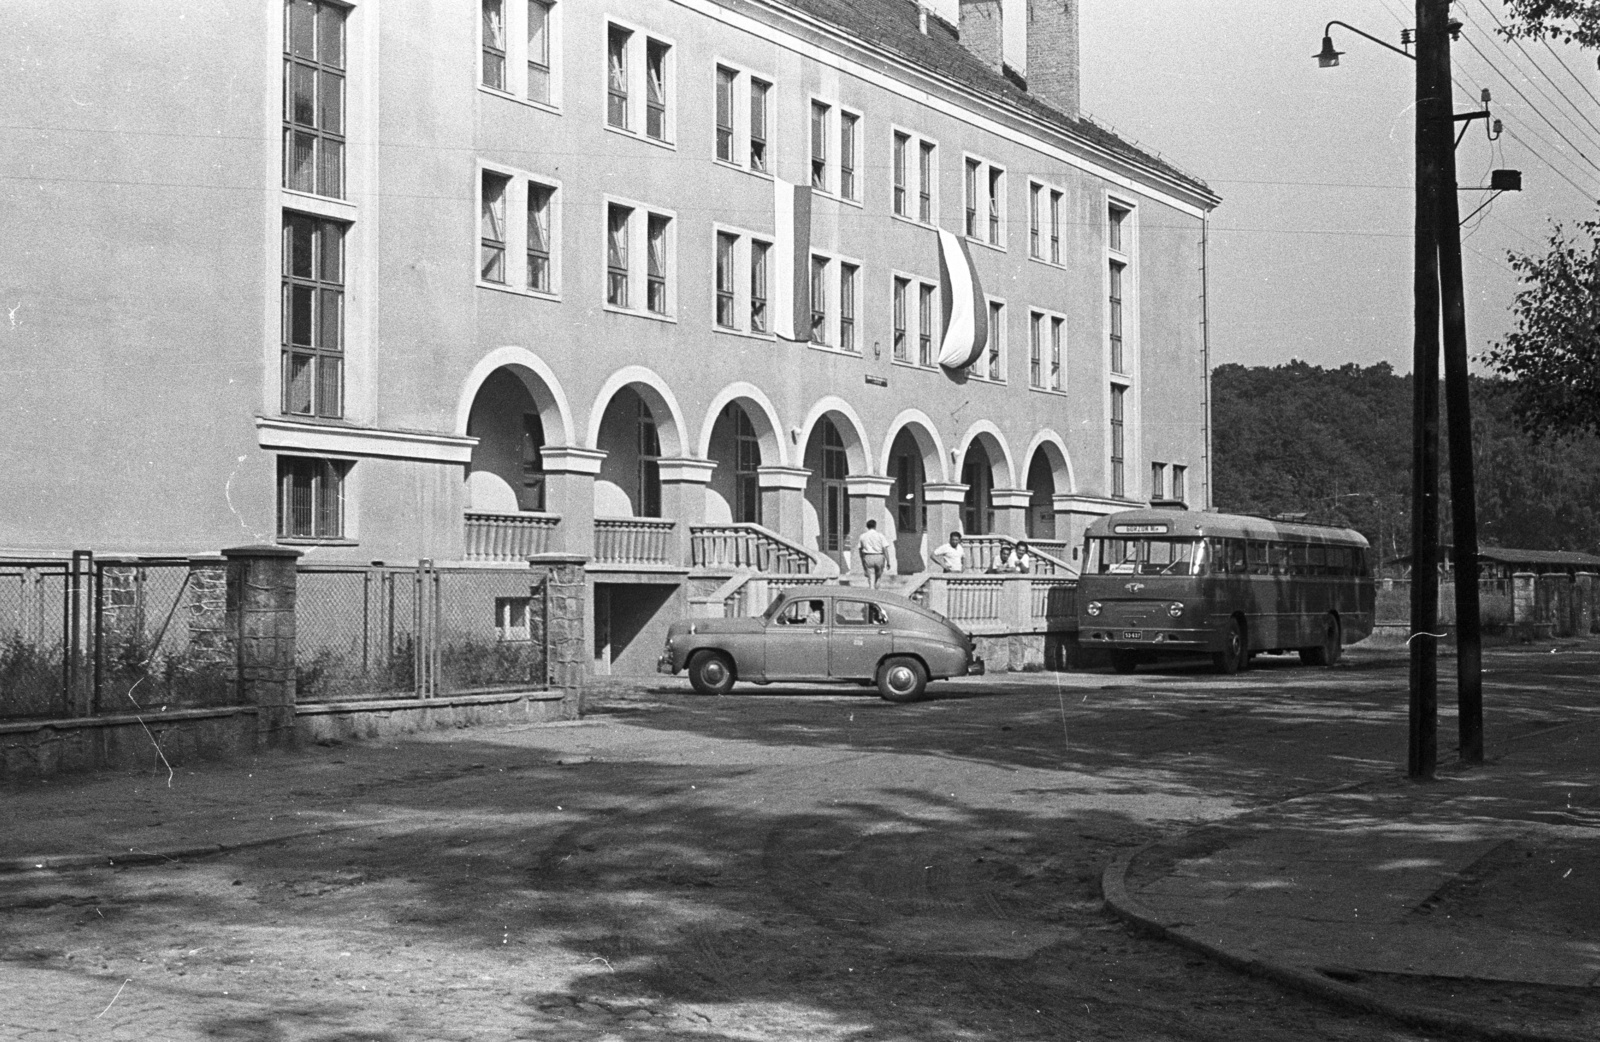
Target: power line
(1536, 110)
(1499, 25)
(1536, 67)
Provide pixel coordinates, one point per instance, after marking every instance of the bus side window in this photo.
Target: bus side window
(1237, 557)
(1260, 562)
(1318, 556)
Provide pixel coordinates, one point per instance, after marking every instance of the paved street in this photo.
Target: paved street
(776, 864)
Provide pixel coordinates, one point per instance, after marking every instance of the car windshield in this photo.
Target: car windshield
(1145, 555)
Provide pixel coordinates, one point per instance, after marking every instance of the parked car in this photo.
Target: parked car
(823, 633)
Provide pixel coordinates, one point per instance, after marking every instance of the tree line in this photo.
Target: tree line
(1335, 445)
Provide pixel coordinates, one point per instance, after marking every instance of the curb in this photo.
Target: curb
(1114, 890)
(51, 862)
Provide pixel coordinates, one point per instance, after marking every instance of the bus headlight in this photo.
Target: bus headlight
(1175, 609)
(1093, 607)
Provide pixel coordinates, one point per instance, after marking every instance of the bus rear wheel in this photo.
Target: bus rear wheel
(1330, 650)
(1233, 657)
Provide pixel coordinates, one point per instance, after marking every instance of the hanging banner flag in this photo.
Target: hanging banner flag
(791, 260)
(966, 311)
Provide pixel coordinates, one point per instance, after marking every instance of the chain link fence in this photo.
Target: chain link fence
(161, 638)
(34, 623)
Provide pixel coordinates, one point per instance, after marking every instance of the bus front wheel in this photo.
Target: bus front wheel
(1233, 657)
(1331, 648)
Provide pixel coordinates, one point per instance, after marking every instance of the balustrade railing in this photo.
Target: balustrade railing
(983, 553)
(974, 599)
(751, 546)
(633, 540)
(508, 537)
(1054, 598)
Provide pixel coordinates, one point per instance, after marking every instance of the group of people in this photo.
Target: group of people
(951, 556)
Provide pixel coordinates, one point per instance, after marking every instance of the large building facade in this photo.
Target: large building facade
(471, 279)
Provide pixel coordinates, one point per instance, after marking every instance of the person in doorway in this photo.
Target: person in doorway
(952, 556)
(873, 548)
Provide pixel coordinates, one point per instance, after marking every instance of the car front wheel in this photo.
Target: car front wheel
(902, 680)
(710, 673)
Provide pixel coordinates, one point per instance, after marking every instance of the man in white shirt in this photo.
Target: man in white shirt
(952, 556)
(873, 547)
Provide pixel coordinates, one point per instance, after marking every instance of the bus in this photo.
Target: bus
(1158, 582)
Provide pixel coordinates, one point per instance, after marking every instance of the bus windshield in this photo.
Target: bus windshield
(1145, 555)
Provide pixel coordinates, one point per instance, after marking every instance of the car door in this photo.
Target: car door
(861, 639)
(797, 640)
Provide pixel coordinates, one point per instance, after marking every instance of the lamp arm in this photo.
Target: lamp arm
(1369, 36)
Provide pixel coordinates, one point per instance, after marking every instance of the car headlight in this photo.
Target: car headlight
(1175, 609)
(1093, 608)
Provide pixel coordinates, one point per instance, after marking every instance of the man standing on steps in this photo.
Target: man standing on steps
(952, 556)
(874, 551)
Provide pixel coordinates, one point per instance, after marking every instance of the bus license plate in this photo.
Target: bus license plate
(1133, 634)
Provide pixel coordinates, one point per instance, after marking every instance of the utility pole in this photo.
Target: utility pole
(1458, 411)
(1435, 119)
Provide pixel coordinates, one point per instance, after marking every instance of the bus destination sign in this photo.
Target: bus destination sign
(1141, 529)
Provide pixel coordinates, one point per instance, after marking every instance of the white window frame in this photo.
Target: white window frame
(1048, 322)
(744, 79)
(1127, 259)
(516, 230)
(833, 298)
(345, 468)
(639, 258)
(515, 14)
(915, 143)
(1158, 480)
(998, 344)
(988, 201)
(1050, 221)
(639, 39)
(743, 253)
(831, 139)
(914, 286)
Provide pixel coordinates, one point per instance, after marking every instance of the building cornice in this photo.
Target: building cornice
(280, 433)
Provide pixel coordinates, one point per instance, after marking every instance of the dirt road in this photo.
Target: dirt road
(773, 865)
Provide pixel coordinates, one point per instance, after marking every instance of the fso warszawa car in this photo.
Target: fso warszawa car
(824, 633)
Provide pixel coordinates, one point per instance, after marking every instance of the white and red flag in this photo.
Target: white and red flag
(966, 311)
(791, 256)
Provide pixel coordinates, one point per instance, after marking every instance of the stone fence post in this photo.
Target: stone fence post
(566, 626)
(1524, 603)
(260, 612)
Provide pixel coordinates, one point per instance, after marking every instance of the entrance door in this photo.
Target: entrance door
(835, 496)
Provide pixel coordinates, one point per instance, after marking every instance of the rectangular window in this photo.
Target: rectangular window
(539, 51)
(901, 288)
(1179, 492)
(925, 313)
(1158, 481)
(847, 155)
(617, 220)
(313, 97)
(1055, 227)
(901, 143)
(656, 272)
(725, 78)
(1115, 217)
(494, 44)
(758, 124)
(492, 263)
(1035, 350)
(925, 183)
(1116, 318)
(819, 300)
(310, 498)
(1034, 192)
(655, 97)
(313, 316)
(1057, 374)
(648, 488)
(819, 146)
(617, 77)
(725, 279)
(1118, 486)
(847, 307)
(996, 199)
(758, 286)
(972, 198)
(997, 338)
(539, 237)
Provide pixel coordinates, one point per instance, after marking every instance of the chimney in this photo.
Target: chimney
(1052, 53)
(982, 32)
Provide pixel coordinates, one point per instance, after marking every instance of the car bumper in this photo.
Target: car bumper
(664, 663)
(975, 668)
(1188, 640)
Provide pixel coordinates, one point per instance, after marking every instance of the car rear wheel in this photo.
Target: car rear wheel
(1233, 657)
(710, 673)
(1124, 661)
(902, 680)
(1330, 650)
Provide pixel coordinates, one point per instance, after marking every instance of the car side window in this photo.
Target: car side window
(858, 613)
(804, 613)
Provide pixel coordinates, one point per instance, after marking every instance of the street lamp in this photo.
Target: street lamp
(1327, 58)
(1438, 292)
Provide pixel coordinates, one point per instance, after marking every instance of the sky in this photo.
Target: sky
(1310, 253)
